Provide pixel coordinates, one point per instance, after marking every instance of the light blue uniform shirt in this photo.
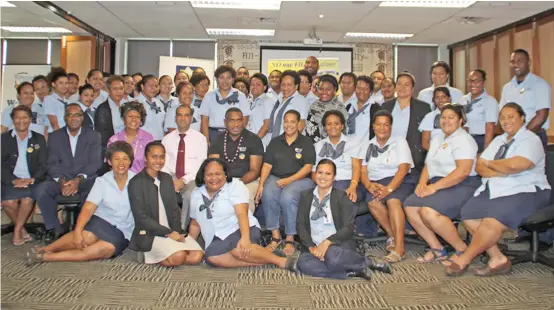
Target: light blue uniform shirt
(428, 124)
(37, 123)
(401, 120)
(352, 100)
(113, 204)
(216, 112)
(155, 117)
(260, 110)
(323, 227)
(363, 120)
(85, 108)
(21, 169)
(443, 153)
(344, 161)
(386, 164)
(117, 120)
(311, 98)
(298, 103)
(427, 95)
(532, 94)
(75, 98)
(55, 105)
(224, 220)
(528, 145)
(483, 111)
(377, 98)
(102, 97)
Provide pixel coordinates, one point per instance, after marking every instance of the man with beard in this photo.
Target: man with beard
(312, 65)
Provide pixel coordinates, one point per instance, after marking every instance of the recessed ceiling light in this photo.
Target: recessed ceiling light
(321, 16)
(386, 36)
(6, 4)
(36, 29)
(239, 4)
(240, 32)
(428, 4)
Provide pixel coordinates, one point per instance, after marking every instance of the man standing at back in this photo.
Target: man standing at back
(312, 65)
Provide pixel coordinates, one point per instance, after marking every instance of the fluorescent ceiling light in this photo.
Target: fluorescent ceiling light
(36, 29)
(240, 32)
(239, 4)
(6, 4)
(386, 36)
(428, 4)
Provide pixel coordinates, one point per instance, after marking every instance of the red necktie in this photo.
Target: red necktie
(180, 167)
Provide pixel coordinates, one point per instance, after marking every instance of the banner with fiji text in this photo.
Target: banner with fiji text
(326, 65)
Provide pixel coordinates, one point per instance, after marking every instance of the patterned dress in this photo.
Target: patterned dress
(315, 129)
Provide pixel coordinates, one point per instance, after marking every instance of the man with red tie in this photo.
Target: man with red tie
(186, 149)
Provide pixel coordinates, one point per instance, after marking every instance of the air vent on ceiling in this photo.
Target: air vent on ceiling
(257, 21)
(469, 20)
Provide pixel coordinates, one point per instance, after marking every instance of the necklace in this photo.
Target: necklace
(225, 148)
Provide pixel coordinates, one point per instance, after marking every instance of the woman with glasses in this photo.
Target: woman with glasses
(361, 113)
(514, 186)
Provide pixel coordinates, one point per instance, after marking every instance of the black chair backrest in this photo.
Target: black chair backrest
(550, 168)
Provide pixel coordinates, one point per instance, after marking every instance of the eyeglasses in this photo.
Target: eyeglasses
(70, 115)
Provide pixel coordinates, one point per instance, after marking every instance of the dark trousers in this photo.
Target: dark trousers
(365, 223)
(339, 260)
(46, 193)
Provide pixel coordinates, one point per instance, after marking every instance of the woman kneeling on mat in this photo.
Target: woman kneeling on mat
(325, 226)
(219, 210)
(105, 222)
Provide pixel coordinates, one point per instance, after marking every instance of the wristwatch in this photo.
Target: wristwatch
(389, 189)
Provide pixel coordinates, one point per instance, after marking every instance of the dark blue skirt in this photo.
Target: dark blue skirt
(107, 232)
(404, 190)
(449, 201)
(219, 247)
(11, 193)
(480, 139)
(508, 210)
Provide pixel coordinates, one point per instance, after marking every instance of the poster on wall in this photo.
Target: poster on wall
(171, 65)
(326, 65)
(13, 75)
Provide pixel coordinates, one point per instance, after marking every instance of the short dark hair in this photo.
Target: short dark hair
(242, 80)
(232, 110)
(516, 107)
(482, 72)
(200, 174)
(442, 89)
(181, 86)
(152, 144)
(243, 67)
(56, 74)
(292, 74)
(225, 68)
(260, 76)
(120, 146)
(92, 71)
(85, 87)
(164, 77)
(70, 106)
(176, 74)
(307, 74)
(390, 80)
(23, 108)
(382, 112)
(327, 161)
(106, 74)
(350, 74)
(133, 106)
(73, 75)
(366, 79)
(293, 112)
(114, 78)
(195, 79)
(276, 70)
(456, 108)
(137, 73)
(145, 79)
(38, 78)
(522, 51)
(407, 74)
(330, 79)
(184, 106)
(442, 64)
(335, 113)
(20, 87)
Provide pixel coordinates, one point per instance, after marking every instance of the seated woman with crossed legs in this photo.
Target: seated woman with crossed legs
(514, 187)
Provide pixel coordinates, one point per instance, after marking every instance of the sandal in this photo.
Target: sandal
(289, 252)
(438, 255)
(393, 257)
(270, 247)
(390, 244)
(447, 262)
(19, 242)
(34, 257)
(27, 238)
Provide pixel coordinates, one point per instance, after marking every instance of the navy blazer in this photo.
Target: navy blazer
(103, 122)
(36, 160)
(88, 154)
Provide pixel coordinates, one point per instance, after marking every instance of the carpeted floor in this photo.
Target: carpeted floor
(123, 284)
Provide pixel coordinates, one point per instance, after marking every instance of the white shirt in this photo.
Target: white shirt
(102, 97)
(377, 98)
(428, 124)
(196, 151)
(216, 112)
(401, 120)
(260, 110)
(75, 98)
(224, 220)
(323, 227)
(298, 103)
(54, 105)
(484, 110)
(427, 95)
(311, 98)
(344, 161)
(363, 120)
(73, 141)
(532, 94)
(386, 164)
(117, 120)
(352, 100)
(154, 123)
(528, 145)
(38, 116)
(443, 153)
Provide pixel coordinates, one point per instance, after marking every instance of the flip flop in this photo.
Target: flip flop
(438, 255)
(390, 244)
(393, 257)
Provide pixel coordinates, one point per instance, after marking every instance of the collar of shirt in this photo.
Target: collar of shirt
(483, 95)
(528, 78)
(520, 132)
(392, 139)
(71, 136)
(281, 96)
(353, 98)
(112, 103)
(231, 91)
(456, 133)
(397, 107)
(159, 97)
(56, 96)
(316, 193)
(84, 107)
(204, 191)
(378, 93)
(284, 139)
(110, 179)
(141, 135)
(29, 133)
(259, 99)
(355, 104)
(342, 138)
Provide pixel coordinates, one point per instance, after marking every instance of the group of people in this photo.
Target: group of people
(156, 170)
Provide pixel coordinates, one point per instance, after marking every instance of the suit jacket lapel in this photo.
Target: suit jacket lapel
(334, 207)
(307, 213)
(30, 142)
(412, 126)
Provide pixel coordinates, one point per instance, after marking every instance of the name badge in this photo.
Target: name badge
(242, 149)
(242, 156)
(298, 153)
(327, 220)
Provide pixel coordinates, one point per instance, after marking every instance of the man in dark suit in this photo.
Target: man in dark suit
(74, 158)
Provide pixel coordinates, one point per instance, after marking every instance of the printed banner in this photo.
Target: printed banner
(13, 75)
(171, 65)
(326, 65)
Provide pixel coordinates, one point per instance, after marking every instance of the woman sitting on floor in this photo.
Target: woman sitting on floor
(219, 210)
(325, 226)
(447, 181)
(157, 215)
(105, 222)
(514, 187)
(386, 175)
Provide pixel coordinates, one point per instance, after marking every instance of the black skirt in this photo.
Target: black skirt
(11, 193)
(107, 232)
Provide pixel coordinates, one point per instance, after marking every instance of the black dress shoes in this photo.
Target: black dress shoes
(364, 273)
(382, 267)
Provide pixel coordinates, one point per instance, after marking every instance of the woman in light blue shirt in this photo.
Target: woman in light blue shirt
(26, 97)
(185, 93)
(447, 181)
(430, 126)
(105, 223)
(165, 96)
(55, 103)
(440, 74)
(219, 210)
(514, 186)
(260, 107)
(155, 113)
